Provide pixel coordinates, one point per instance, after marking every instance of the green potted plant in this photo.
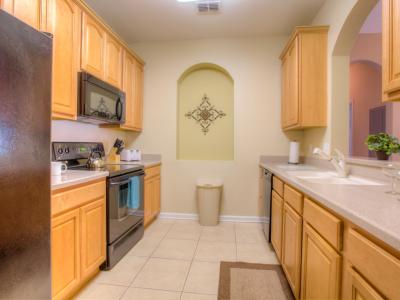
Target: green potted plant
(383, 145)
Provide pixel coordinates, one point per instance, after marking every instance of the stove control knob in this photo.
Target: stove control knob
(66, 150)
(60, 151)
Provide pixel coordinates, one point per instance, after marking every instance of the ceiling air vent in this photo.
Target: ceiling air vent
(210, 6)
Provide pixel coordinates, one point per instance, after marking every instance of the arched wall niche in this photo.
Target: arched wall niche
(205, 122)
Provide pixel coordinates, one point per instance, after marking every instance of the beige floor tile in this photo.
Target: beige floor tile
(98, 291)
(147, 294)
(222, 233)
(145, 247)
(163, 222)
(186, 230)
(215, 251)
(176, 249)
(191, 296)
(222, 225)
(158, 229)
(203, 278)
(256, 253)
(163, 274)
(254, 235)
(248, 226)
(124, 272)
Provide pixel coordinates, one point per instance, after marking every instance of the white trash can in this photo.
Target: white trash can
(209, 192)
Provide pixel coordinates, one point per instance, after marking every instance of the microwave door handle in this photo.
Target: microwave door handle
(119, 109)
(120, 182)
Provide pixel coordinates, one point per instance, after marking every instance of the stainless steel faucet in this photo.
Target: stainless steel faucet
(337, 160)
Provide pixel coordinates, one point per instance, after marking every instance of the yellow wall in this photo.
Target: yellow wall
(217, 143)
(254, 65)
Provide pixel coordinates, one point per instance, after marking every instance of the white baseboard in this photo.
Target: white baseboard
(223, 218)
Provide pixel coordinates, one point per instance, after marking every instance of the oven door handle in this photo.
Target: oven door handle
(120, 182)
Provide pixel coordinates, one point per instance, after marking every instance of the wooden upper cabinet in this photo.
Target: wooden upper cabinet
(128, 88)
(321, 266)
(304, 79)
(391, 50)
(138, 98)
(64, 22)
(27, 11)
(290, 101)
(93, 47)
(113, 62)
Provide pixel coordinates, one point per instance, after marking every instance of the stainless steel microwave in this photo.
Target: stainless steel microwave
(100, 102)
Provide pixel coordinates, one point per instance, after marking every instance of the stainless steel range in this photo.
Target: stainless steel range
(125, 205)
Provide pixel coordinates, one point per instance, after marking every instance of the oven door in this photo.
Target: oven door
(100, 101)
(122, 217)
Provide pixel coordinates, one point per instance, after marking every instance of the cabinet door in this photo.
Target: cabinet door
(359, 288)
(391, 50)
(320, 267)
(65, 251)
(276, 224)
(138, 98)
(93, 47)
(128, 88)
(156, 200)
(93, 236)
(63, 21)
(27, 11)
(290, 93)
(291, 247)
(113, 62)
(148, 199)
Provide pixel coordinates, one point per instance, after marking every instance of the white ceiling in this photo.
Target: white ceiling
(165, 20)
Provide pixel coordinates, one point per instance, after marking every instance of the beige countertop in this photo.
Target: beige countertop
(368, 207)
(74, 177)
(148, 160)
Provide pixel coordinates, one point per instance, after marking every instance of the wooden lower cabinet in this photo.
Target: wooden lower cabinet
(321, 267)
(291, 247)
(93, 239)
(152, 194)
(358, 287)
(276, 223)
(78, 236)
(65, 254)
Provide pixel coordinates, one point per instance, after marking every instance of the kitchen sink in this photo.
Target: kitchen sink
(332, 178)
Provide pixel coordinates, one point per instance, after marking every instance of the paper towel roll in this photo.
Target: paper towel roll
(294, 153)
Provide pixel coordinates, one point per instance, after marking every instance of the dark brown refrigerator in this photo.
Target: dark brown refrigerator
(25, 100)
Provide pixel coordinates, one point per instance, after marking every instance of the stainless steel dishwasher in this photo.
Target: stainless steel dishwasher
(267, 202)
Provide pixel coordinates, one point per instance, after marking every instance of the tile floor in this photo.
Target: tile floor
(179, 260)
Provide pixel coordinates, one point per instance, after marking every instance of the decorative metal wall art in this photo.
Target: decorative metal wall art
(205, 114)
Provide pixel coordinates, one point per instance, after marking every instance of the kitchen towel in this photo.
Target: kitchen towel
(134, 193)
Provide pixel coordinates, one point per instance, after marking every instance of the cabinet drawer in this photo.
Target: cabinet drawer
(324, 222)
(152, 171)
(68, 199)
(379, 267)
(277, 185)
(293, 198)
